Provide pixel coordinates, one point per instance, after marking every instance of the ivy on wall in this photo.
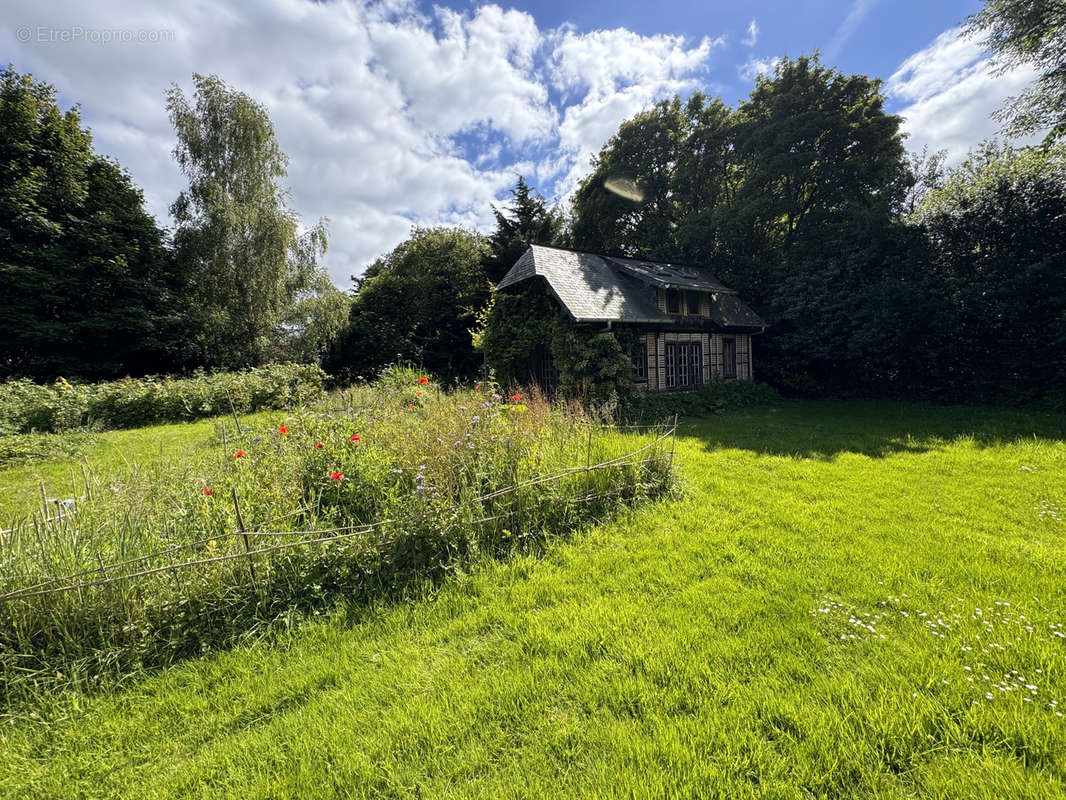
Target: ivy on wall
(518, 330)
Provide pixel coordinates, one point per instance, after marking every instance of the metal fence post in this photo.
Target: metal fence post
(588, 462)
(244, 535)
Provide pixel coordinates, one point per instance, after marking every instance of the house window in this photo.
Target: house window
(729, 358)
(673, 301)
(693, 299)
(639, 356)
(684, 365)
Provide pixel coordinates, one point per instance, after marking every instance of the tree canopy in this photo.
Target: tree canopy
(527, 220)
(88, 286)
(238, 243)
(997, 265)
(417, 304)
(1029, 32)
(791, 198)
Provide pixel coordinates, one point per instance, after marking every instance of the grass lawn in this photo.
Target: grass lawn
(111, 453)
(849, 600)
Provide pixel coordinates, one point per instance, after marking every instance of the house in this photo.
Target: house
(691, 327)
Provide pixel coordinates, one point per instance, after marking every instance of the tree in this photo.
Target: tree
(418, 303)
(812, 228)
(1028, 32)
(236, 239)
(89, 288)
(528, 220)
(997, 247)
(677, 156)
(928, 173)
(311, 326)
(644, 154)
(792, 198)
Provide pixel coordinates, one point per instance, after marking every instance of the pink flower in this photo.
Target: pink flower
(477, 387)
(336, 476)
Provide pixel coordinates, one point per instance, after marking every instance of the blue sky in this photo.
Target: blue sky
(886, 31)
(396, 112)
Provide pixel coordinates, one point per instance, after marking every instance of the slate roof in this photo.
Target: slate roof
(596, 288)
(669, 276)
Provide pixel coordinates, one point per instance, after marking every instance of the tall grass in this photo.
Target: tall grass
(363, 496)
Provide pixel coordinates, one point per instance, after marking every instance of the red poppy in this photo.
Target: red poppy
(336, 476)
(410, 405)
(423, 380)
(516, 396)
(477, 387)
(239, 454)
(356, 437)
(318, 445)
(208, 492)
(283, 430)
(418, 394)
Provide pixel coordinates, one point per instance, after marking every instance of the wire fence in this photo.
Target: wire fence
(99, 576)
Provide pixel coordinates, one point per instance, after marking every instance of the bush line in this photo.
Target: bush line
(27, 407)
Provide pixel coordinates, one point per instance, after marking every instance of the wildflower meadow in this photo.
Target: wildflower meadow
(357, 497)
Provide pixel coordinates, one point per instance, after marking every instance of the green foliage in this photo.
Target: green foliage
(1029, 32)
(528, 220)
(236, 241)
(415, 462)
(416, 304)
(520, 333)
(791, 198)
(797, 200)
(996, 264)
(311, 326)
(26, 406)
(648, 150)
(89, 288)
(715, 397)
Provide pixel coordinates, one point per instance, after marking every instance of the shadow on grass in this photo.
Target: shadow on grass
(824, 429)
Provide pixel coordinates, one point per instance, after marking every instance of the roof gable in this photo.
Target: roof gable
(596, 288)
(587, 285)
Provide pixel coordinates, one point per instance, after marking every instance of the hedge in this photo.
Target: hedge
(27, 407)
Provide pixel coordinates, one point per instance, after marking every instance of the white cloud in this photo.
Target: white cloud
(753, 34)
(860, 9)
(754, 67)
(389, 117)
(948, 92)
(620, 73)
(479, 70)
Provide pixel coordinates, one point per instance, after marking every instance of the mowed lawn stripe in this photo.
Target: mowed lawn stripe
(795, 624)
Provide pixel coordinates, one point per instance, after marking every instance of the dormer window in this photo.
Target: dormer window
(673, 301)
(693, 301)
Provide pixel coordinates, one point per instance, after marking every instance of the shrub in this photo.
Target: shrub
(47, 408)
(712, 398)
(522, 333)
